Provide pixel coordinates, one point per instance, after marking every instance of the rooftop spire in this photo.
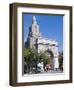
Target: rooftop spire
(34, 20)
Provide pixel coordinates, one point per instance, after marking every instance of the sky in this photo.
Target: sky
(51, 26)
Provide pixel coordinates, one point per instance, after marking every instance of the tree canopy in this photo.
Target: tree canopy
(32, 55)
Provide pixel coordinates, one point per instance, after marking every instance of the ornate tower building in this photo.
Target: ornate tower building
(33, 33)
(36, 41)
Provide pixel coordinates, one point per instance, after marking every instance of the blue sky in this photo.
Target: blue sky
(51, 26)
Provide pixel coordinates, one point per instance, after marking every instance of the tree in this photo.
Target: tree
(44, 57)
(61, 60)
(28, 57)
(32, 57)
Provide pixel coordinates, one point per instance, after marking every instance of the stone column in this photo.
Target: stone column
(56, 62)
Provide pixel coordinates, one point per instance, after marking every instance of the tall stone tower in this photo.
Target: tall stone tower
(33, 33)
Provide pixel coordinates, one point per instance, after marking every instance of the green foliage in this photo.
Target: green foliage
(31, 55)
(44, 57)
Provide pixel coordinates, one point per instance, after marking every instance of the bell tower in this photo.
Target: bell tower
(33, 33)
(34, 28)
